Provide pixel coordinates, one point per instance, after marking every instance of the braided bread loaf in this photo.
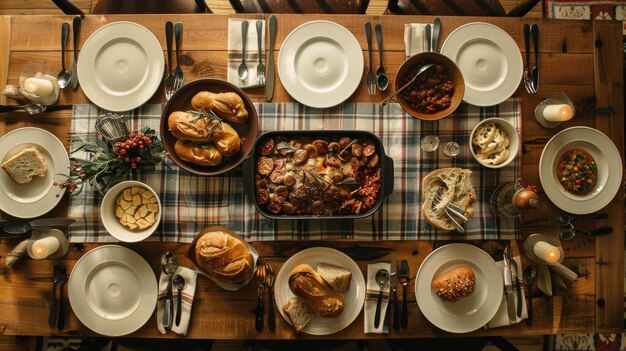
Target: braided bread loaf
(224, 256)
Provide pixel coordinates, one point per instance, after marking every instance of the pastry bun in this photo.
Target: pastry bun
(187, 126)
(455, 284)
(203, 155)
(228, 106)
(224, 256)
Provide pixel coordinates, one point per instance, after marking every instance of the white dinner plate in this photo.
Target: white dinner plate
(120, 66)
(354, 298)
(112, 290)
(320, 64)
(40, 195)
(489, 59)
(608, 161)
(471, 312)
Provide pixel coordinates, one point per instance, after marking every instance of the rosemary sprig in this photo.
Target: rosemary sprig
(285, 146)
(346, 148)
(317, 176)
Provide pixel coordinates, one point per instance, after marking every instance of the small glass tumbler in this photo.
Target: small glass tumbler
(451, 149)
(429, 143)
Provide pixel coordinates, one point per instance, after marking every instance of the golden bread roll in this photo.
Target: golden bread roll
(455, 284)
(225, 139)
(307, 284)
(224, 257)
(228, 106)
(187, 126)
(203, 155)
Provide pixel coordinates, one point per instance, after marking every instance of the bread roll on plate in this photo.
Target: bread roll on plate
(455, 186)
(187, 126)
(228, 106)
(455, 284)
(224, 257)
(304, 282)
(203, 155)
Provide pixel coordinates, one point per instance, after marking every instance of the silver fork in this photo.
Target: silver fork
(456, 224)
(179, 77)
(454, 208)
(168, 82)
(260, 69)
(371, 77)
(528, 80)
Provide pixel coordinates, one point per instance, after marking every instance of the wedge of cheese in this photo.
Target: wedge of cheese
(137, 208)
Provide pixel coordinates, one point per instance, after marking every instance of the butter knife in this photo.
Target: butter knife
(76, 29)
(518, 288)
(269, 83)
(393, 297)
(508, 288)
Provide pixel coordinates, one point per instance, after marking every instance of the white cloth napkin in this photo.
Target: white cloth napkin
(501, 318)
(252, 51)
(188, 293)
(414, 39)
(371, 298)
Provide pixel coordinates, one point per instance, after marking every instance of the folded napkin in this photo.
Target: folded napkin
(414, 39)
(188, 293)
(501, 317)
(371, 298)
(252, 51)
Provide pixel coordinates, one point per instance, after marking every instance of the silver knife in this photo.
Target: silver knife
(508, 288)
(518, 288)
(436, 31)
(51, 222)
(393, 299)
(269, 83)
(76, 29)
(534, 32)
(43, 225)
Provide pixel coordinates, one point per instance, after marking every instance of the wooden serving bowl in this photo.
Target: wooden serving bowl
(406, 72)
(181, 101)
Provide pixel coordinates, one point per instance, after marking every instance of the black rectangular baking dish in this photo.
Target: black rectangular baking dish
(250, 165)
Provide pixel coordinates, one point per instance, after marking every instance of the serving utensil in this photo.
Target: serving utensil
(260, 283)
(451, 214)
(419, 72)
(382, 278)
(20, 227)
(242, 70)
(170, 80)
(529, 278)
(169, 264)
(260, 68)
(76, 29)
(64, 77)
(269, 86)
(403, 278)
(179, 76)
(269, 284)
(371, 77)
(62, 280)
(179, 283)
(32, 108)
(381, 78)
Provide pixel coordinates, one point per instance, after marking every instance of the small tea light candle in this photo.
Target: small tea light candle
(45, 247)
(38, 86)
(558, 113)
(547, 252)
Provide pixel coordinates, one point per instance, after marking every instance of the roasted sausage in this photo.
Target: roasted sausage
(265, 166)
(268, 147)
(262, 196)
(311, 150)
(289, 180)
(322, 147)
(300, 157)
(277, 176)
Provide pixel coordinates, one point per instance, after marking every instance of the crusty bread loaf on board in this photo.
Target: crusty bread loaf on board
(25, 165)
(307, 284)
(228, 106)
(455, 186)
(298, 312)
(224, 256)
(455, 284)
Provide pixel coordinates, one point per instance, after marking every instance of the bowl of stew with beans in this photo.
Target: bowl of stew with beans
(436, 93)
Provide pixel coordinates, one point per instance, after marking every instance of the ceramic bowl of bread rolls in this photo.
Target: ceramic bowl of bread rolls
(220, 254)
(458, 287)
(454, 186)
(131, 211)
(208, 126)
(319, 291)
(494, 142)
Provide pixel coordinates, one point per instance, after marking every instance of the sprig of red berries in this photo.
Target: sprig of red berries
(130, 150)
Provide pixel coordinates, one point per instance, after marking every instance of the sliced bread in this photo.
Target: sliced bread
(337, 277)
(455, 186)
(26, 164)
(299, 312)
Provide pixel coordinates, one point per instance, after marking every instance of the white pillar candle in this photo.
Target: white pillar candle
(38, 86)
(558, 113)
(547, 252)
(45, 247)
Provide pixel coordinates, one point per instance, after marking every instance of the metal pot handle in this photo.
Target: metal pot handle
(248, 177)
(388, 177)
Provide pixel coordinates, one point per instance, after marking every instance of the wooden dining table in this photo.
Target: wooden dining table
(569, 61)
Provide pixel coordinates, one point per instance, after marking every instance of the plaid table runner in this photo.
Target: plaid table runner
(191, 203)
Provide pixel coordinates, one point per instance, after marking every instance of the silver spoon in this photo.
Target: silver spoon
(381, 78)
(169, 264)
(32, 108)
(419, 72)
(179, 283)
(382, 278)
(243, 69)
(529, 278)
(64, 77)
